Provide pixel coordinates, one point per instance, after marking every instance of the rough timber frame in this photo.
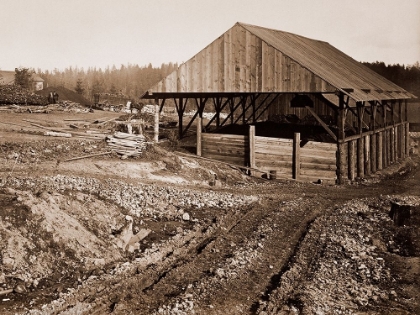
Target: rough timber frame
(250, 73)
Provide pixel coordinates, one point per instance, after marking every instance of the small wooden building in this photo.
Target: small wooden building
(288, 104)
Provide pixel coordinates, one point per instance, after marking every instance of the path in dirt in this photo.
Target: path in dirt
(233, 264)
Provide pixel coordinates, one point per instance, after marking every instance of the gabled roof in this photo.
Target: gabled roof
(253, 59)
(8, 77)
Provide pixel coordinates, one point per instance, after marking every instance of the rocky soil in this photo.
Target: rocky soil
(168, 233)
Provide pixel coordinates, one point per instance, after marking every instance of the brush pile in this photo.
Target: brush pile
(127, 145)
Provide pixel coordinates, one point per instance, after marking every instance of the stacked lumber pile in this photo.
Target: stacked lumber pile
(127, 145)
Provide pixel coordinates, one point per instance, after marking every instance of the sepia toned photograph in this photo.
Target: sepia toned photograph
(189, 157)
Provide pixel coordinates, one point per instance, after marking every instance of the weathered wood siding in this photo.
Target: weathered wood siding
(318, 160)
(315, 160)
(232, 149)
(281, 106)
(239, 61)
(373, 151)
(274, 154)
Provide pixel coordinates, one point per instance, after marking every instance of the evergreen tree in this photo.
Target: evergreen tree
(23, 77)
(79, 87)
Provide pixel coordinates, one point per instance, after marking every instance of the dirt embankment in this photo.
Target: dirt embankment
(172, 234)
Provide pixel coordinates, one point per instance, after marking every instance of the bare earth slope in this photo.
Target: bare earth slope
(157, 235)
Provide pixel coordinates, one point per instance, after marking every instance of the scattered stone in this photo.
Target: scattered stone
(186, 217)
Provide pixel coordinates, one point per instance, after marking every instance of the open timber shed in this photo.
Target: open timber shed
(288, 104)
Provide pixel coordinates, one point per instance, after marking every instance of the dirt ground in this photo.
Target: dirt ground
(169, 233)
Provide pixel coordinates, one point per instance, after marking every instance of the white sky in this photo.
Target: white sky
(50, 34)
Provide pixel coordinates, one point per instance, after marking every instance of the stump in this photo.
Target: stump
(400, 213)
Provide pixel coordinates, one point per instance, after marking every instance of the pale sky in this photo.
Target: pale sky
(50, 34)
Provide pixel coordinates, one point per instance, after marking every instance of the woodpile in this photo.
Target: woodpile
(127, 145)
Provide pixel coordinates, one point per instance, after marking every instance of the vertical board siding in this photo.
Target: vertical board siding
(239, 61)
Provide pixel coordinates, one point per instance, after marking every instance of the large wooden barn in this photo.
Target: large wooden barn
(289, 105)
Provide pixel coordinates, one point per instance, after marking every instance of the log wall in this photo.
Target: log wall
(311, 162)
(375, 150)
(365, 154)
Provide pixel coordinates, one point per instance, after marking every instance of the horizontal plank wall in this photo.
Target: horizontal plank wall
(273, 154)
(311, 162)
(318, 160)
(232, 149)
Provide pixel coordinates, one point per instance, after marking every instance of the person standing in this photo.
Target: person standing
(50, 98)
(55, 96)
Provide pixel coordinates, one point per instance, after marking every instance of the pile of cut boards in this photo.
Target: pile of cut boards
(127, 145)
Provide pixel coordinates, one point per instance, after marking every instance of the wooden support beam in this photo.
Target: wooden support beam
(341, 158)
(199, 113)
(259, 106)
(366, 153)
(217, 102)
(252, 146)
(217, 116)
(156, 127)
(296, 156)
(180, 108)
(373, 152)
(232, 110)
(267, 106)
(380, 151)
(199, 130)
(357, 115)
(324, 125)
(407, 139)
(352, 160)
(360, 161)
(161, 105)
(244, 110)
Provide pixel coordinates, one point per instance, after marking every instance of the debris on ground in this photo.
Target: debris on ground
(127, 145)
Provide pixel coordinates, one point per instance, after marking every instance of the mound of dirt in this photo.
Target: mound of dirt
(65, 95)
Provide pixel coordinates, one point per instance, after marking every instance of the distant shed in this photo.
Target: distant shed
(292, 105)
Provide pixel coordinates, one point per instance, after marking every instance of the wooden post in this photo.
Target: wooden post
(352, 160)
(296, 155)
(380, 151)
(341, 158)
(180, 110)
(402, 140)
(388, 147)
(360, 164)
(400, 131)
(392, 145)
(407, 139)
(373, 152)
(360, 150)
(199, 130)
(252, 146)
(366, 153)
(156, 129)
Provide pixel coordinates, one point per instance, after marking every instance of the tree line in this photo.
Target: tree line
(128, 80)
(407, 77)
(134, 80)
